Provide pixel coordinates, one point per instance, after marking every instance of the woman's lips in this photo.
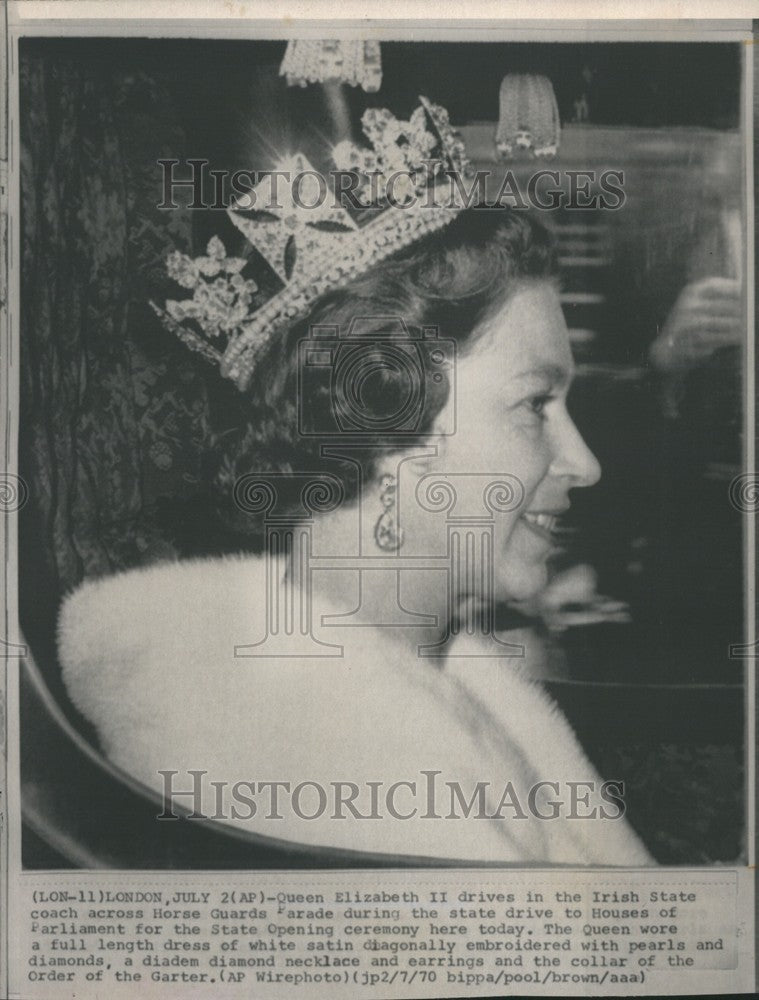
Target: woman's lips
(541, 523)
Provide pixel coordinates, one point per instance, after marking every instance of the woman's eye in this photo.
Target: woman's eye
(538, 403)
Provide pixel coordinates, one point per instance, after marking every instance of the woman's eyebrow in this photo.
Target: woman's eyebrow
(553, 373)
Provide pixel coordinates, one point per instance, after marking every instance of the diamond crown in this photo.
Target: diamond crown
(405, 187)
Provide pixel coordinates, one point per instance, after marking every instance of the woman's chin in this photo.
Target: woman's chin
(522, 585)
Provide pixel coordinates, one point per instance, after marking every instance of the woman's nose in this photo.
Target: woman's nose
(573, 459)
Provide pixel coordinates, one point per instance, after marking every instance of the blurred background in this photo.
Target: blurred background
(116, 416)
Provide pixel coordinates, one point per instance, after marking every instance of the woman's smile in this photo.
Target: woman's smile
(541, 524)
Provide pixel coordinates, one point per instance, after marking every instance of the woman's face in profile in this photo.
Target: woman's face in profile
(511, 418)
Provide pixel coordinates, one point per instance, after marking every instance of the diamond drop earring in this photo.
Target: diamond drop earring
(387, 533)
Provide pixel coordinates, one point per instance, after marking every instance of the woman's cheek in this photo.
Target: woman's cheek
(528, 458)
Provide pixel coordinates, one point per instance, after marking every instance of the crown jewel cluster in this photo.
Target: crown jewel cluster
(314, 244)
(404, 149)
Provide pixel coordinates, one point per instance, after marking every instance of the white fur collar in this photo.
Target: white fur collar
(148, 658)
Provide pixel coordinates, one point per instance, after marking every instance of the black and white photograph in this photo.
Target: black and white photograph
(384, 484)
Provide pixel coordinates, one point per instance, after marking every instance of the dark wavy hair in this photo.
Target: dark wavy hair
(452, 280)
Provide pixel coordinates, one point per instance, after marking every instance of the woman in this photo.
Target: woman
(442, 507)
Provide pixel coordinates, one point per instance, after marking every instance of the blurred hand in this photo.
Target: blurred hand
(707, 315)
(571, 599)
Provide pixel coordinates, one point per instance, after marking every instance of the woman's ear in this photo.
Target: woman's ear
(415, 462)
(424, 459)
(418, 466)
